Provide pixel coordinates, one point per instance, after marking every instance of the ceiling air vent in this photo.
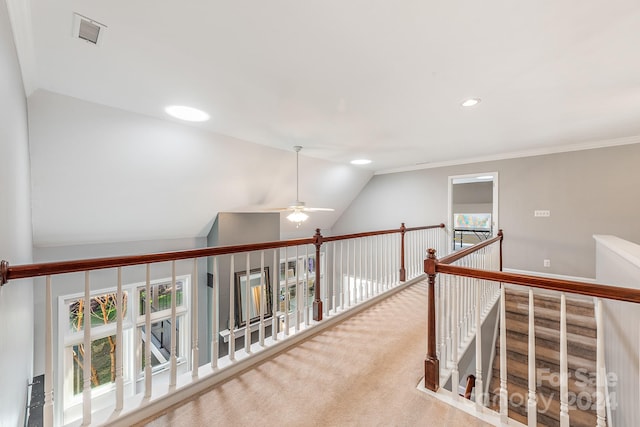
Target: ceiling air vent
(87, 29)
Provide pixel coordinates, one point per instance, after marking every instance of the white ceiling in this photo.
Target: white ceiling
(360, 78)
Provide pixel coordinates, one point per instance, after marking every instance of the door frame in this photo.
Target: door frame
(471, 177)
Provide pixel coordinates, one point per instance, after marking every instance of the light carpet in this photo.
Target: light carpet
(361, 372)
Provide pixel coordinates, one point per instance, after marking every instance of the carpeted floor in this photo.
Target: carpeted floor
(362, 372)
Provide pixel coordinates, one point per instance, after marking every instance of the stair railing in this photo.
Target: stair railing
(455, 277)
(314, 282)
(460, 308)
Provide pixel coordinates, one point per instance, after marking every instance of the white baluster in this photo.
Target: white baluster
(263, 297)
(298, 298)
(455, 373)
(348, 284)
(247, 304)
(147, 334)
(448, 318)
(195, 351)
(479, 383)
(215, 327)
(287, 296)
(366, 268)
(173, 373)
(119, 313)
(564, 368)
(232, 311)
(86, 359)
(440, 312)
(359, 288)
(334, 283)
(504, 396)
(532, 414)
(275, 300)
(341, 274)
(305, 288)
(48, 355)
(601, 373)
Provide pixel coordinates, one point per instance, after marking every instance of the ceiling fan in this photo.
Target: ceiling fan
(298, 208)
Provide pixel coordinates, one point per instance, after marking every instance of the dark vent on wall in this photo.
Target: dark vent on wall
(88, 29)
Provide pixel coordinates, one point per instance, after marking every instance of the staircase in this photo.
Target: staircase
(581, 346)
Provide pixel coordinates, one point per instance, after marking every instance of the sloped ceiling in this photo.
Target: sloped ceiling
(344, 79)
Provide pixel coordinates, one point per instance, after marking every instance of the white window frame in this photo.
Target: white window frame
(101, 396)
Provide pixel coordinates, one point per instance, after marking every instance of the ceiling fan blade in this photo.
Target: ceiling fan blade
(275, 209)
(318, 209)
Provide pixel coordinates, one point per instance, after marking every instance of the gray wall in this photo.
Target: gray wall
(474, 197)
(16, 297)
(237, 229)
(588, 192)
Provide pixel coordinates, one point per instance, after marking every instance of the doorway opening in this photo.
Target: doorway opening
(473, 209)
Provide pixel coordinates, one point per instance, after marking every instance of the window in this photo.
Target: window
(102, 309)
(161, 327)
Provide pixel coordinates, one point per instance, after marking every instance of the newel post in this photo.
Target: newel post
(317, 302)
(501, 239)
(4, 271)
(403, 272)
(431, 363)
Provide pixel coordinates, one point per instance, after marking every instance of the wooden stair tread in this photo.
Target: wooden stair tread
(581, 346)
(550, 314)
(550, 334)
(577, 416)
(519, 372)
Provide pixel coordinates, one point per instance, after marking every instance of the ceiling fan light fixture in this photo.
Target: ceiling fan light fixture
(297, 217)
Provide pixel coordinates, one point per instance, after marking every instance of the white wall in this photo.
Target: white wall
(618, 263)
(588, 192)
(16, 297)
(101, 174)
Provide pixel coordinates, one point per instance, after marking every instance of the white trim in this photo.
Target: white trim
(20, 19)
(69, 405)
(518, 154)
(629, 251)
(480, 412)
(495, 225)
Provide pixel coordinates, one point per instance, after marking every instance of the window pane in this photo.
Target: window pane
(103, 363)
(160, 341)
(161, 296)
(103, 311)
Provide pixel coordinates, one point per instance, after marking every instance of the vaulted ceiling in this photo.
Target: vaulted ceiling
(353, 79)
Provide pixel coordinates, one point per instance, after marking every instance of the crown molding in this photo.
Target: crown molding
(518, 154)
(22, 29)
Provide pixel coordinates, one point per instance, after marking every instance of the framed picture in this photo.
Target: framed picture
(259, 289)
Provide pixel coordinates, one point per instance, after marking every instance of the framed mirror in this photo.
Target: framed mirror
(259, 295)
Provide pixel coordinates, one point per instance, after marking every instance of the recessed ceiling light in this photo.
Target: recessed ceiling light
(187, 113)
(470, 102)
(360, 162)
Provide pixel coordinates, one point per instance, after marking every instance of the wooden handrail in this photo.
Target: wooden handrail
(8, 272)
(455, 256)
(588, 289)
(378, 233)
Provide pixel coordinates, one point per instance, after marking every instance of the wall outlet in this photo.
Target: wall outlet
(542, 213)
(546, 263)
